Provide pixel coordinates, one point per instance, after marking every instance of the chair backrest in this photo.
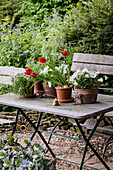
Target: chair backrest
(7, 72)
(101, 63)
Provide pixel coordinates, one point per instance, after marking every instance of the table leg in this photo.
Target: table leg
(88, 143)
(36, 130)
(16, 119)
(38, 123)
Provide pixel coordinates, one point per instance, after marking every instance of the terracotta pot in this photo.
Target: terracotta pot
(27, 96)
(86, 96)
(38, 87)
(50, 92)
(64, 94)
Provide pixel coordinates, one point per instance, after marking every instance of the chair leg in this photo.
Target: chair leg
(109, 141)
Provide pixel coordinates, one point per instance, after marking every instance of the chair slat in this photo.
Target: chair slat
(5, 80)
(4, 70)
(93, 58)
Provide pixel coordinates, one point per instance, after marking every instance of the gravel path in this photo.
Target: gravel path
(71, 149)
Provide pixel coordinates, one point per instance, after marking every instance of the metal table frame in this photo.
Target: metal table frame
(99, 112)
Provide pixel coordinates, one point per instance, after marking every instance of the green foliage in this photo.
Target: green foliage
(13, 155)
(21, 84)
(5, 89)
(89, 27)
(86, 79)
(86, 28)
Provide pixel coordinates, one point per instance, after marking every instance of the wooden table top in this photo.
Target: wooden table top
(104, 104)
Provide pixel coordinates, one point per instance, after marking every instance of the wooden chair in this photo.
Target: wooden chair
(104, 65)
(7, 121)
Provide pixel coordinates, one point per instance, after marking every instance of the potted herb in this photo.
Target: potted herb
(21, 85)
(86, 85)
(15, 156)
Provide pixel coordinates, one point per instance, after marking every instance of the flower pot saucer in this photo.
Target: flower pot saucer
(27, 96)
(65, 100)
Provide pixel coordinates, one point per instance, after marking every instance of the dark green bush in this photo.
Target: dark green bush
(90, 27)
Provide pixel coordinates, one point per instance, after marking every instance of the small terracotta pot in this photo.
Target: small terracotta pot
(38, 87)
(64, 94)
(50, 92)
(86, 96)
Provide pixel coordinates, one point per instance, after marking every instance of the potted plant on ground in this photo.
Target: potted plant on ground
(86, 85)
(15, 156)
(21, 85)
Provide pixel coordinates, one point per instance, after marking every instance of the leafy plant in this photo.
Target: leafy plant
(56, 72)
(21, 84)
(14, 156)
(86, 79)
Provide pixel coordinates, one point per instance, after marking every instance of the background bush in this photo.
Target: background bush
(86, 27)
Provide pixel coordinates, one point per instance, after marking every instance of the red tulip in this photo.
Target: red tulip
(28, 71)
(42, 60)
(33, 75)
(64, 53)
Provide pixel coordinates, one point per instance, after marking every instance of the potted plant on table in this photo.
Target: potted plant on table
(58, 74)
(33, 69)
(21, 85)
(86, 85)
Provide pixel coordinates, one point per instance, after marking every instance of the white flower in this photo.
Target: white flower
(106, 77)
(64, 68)
(44, 71)
(49, 84)
(92, 75)
(78, 71)
(100, 80)
(73, 76)
(75, 83)
(56, 68)
(85, 70)
(87, 76)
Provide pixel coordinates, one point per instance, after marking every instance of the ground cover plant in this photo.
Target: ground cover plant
(15, 156)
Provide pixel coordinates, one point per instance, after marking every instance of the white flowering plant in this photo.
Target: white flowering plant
(85, 79)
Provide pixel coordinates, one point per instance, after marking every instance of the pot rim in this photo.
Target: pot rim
(65, 88)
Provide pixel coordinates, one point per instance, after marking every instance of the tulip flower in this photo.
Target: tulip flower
(64, 53)
(33, 75)
(42, 60)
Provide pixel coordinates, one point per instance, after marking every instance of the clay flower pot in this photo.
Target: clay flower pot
(86, 96)
(38, 87)
(64, 94)
(50, 92)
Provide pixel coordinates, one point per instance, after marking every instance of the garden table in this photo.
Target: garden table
(71, 110)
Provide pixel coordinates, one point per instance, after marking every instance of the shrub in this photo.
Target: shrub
(14, 156)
